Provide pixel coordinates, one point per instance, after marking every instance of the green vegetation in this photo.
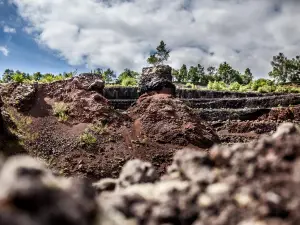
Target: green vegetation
(161, 55)
(60, 109)
(21, 77)
(98, 128)
(87, 138)
(223, 77)
(21, 127)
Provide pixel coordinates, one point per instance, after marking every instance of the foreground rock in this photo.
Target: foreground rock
(255, 183)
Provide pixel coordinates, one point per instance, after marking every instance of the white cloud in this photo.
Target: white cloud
(4, 50)
(7, 29)
(241, 32)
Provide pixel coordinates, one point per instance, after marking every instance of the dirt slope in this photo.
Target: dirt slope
(77, 132)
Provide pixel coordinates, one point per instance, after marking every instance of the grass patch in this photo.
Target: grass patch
(99, 128)
(87, 138)
(60, 110)
(20, 126)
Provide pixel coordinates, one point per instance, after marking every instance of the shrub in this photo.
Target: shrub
(99, 128)
(234, 86)
(266, 89)
(282, 89)
(60, 109)
(216, 85)
(18, 77)
(294, 90)
(190, 85)
(87, 138)
(129, 81)
(260, 83)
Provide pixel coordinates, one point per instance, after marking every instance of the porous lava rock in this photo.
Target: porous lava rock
(157, 79)
(18, 95)
(254, 183)
(165, 119)
(30, 195)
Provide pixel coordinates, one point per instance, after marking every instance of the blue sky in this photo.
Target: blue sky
(24, 52)
(62, 35)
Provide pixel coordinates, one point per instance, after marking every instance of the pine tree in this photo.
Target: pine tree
(162, 54)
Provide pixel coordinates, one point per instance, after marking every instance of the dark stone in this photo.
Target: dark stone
(97, 85)
(157, 79)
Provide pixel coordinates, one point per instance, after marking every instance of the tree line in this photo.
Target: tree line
(283, 70)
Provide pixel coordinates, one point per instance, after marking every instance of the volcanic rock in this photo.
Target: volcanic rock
(97, 85)
(20, 96)
(168, 120)
(157, 79)
(255, 183)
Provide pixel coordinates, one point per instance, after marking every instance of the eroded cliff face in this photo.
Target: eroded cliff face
(76, 131)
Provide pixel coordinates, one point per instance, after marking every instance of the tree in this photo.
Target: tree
(247, 77)
(7, 75)
(183, 73)
(109, 75)
(37, 76)
(211, 70)
(193, 75)
(280, 66)
(162, 54)
(176, 74)
(203, 79)
(294, 69)
(227, 74)
(211, 73)
(126, 74)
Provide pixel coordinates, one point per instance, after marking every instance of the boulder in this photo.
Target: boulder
(167, 120)
(97, 85)
(157, 79)
(20, 96)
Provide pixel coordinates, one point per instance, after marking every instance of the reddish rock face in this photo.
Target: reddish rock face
(168, 120)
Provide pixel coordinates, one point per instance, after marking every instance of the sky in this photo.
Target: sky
(64, 35)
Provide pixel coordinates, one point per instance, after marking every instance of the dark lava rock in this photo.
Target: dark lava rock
(97, 85)
(157, 79)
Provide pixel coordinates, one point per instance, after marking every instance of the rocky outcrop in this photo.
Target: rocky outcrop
(166, 119)
(157, 79)
(19, 96)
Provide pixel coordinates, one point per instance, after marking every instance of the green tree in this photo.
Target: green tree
(176, 74)
(280, 65)
(162, 54)
(247, 77)
(7, 75)
(37, 76)
(203, 78)
(126, 74)
(211, 70)
(211, 73)
(109, 75)
(227, 74)
(183, 73)
(193, 75)
(294, 69)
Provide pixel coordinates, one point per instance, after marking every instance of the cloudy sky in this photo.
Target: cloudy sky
(61, 35)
